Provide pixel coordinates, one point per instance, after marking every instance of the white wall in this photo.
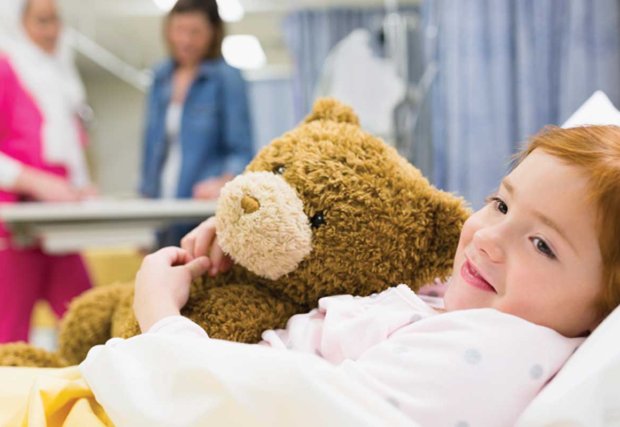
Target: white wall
(271, 107)
(115, 134)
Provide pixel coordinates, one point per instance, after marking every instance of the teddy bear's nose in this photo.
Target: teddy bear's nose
(249, 204)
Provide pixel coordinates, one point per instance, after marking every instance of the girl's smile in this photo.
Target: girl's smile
(472, 277)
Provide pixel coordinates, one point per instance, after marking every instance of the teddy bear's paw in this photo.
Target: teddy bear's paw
(22, 354)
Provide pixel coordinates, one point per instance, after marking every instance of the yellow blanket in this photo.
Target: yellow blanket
(35, 397)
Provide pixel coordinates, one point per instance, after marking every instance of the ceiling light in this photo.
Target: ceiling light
(165, 5)
(243, 51)
(230, 10)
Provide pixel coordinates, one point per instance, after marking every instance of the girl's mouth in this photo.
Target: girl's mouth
(470, 274)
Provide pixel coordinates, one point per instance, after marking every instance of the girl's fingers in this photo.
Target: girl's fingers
(188, 242)
(204, 239)
(219, 260)
(201, 241)
(198, 266)
(226, 264)
(171, 255)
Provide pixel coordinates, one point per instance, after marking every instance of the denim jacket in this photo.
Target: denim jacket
(215, 133)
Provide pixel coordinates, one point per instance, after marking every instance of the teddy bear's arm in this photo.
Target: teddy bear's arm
(239, 312)
(88, 320)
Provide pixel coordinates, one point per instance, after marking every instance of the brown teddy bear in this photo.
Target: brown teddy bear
(325, 209)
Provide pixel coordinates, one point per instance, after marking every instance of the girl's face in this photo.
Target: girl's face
(532, 251)
(189, 35)
(42, 24)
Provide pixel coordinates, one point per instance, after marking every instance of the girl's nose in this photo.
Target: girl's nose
(488, 241)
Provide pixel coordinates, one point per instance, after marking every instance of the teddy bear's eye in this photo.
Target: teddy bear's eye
(279, 169)
(317, 220)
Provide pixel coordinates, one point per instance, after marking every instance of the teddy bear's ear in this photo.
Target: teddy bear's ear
(334, 110)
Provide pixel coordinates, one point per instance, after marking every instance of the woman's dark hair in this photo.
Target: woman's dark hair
(209, 9)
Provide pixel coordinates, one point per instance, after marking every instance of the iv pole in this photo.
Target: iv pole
(406, 116)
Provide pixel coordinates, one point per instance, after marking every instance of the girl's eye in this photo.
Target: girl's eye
(279, 169)
(499, 204)
(542, 247)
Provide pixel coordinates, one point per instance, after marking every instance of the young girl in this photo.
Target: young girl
(536, 270)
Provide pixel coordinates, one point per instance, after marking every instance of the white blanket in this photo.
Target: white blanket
(169, 379)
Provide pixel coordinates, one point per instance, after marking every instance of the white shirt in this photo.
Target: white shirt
(172, 166)
(370, 84)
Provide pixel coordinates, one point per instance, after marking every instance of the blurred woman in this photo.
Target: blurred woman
(198, 133)
(41, 156)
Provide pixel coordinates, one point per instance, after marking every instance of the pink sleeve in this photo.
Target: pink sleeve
(7, 84)
(344, 327)
(9, 167)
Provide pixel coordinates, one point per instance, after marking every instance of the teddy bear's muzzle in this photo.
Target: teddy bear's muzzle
(249, 204)
(262, 225)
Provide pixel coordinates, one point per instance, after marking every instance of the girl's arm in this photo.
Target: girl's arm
(345, 326)
(181, 380)
(172, 375)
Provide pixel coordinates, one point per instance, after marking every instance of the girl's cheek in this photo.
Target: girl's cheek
(470, 227)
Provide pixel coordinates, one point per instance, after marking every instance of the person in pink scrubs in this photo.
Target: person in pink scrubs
(41, 156)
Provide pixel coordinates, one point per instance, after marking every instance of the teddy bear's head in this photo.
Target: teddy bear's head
(329, 209)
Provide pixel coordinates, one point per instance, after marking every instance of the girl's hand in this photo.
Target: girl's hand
(202, 241)
(163, 283)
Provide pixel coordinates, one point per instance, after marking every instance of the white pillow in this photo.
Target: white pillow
(585, 391)
(597, 110)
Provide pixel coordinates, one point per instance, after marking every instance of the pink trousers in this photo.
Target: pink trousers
(29, 275)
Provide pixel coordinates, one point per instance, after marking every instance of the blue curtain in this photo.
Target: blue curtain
(310, 35)
(271, 104)
(507, 68)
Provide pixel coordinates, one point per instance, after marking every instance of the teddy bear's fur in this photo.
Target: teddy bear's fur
(325, 209)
